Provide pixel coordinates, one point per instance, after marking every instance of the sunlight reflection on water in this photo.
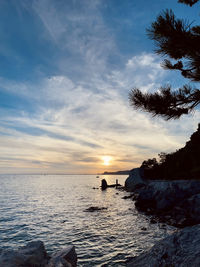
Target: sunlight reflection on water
(51, 208)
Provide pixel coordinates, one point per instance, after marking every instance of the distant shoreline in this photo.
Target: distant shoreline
(127, 172)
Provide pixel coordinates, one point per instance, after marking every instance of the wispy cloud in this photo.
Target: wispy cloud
(71, 118)
(78, 29)
(75, 120)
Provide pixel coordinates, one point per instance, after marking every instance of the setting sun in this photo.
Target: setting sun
(106, 160)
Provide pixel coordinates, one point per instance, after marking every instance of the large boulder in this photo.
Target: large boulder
(135, 180)
(180, 249)
(66, 257)
(31, 255)
(35, 255)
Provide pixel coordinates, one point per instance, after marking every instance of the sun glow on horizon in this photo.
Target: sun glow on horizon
(106, 160)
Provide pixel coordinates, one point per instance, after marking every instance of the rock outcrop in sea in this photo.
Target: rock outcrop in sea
(34, 255)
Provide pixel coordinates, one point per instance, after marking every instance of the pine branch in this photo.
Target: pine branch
(188, 2)
(180, 42)
(170, 35)
(165, 102)
(175, 38)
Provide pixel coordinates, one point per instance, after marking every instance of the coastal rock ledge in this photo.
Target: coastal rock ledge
(34, 255)
(180, 249)
(174, 202)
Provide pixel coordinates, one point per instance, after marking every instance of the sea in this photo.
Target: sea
(51, 208)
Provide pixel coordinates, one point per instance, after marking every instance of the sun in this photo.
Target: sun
(106, 160)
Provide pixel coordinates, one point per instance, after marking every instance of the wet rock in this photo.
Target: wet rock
(180, 249)
(126, 197)
(31, 255)
(104, 184)
(153, 221)
(34, 252)
(94, 208)
(187, 212)
(146, 199)
(177, 202)
(64, 258)
(58, 262)
(11, 258)
(35, 255)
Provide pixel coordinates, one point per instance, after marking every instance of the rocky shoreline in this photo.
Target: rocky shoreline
(180, 249)
(176, 203)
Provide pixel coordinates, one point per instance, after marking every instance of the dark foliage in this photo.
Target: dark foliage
(188, 2)
(166, 103)
(149, 164)
(179, 41)
(182, 164)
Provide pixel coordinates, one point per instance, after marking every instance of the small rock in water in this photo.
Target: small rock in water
(126, 197)
(94, 208)
(153, 221)
(104, 184)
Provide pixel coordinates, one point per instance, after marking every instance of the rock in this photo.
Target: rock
(153, 221)
(10, 258)
(35, 255)
(34, 252)
(130, 196)
(104, 184)
(65, 258)
(94, 208)
(180, 249)
(146, 199)
(135, 180)
(178, 200)
(58, 262)
(31, 255)
(188, 211)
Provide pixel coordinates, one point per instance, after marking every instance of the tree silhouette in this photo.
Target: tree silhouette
(182, 164)
(177, 40)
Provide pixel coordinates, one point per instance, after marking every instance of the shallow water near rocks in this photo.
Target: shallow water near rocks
(52, 208)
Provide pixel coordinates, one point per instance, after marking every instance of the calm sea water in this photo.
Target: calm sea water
(51, 208)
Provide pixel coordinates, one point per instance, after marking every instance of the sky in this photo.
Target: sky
(66, 70)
